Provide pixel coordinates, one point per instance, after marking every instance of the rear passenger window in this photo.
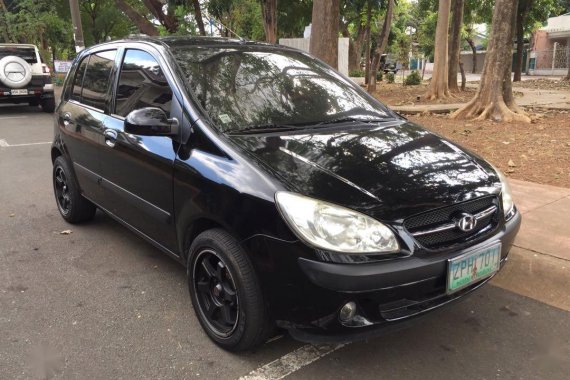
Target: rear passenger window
(97, 78)
(78, 82)
(141, 84)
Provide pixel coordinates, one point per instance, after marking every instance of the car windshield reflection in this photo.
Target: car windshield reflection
(240, 89)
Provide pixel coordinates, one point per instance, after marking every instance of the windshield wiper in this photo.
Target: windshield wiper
(265, 128)
(347, 119)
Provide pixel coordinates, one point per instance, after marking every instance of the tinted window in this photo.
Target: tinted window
(78, 82)
(242, 88)
(142, 84)
(97, 78)
(28, 54)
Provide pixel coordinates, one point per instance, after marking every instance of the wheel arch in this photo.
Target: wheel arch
(55, 153)
(194, 229)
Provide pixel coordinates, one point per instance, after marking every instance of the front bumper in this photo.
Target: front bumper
(387, 294)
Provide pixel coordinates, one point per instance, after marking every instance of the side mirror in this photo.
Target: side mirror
(150, 121)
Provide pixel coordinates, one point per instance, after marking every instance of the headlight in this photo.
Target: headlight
(506, 194)
(334, 228)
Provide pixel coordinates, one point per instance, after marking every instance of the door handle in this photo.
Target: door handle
(67, 119)
(110, 137)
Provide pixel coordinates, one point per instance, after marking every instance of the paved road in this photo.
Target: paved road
(100, 303)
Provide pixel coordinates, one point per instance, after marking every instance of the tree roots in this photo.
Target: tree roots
(496, 110)
(433, 95)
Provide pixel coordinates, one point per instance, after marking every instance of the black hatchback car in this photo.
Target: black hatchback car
(293, 198)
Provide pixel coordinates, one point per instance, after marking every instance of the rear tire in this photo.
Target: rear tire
(48, 105)
(72, 206)
(225, 292)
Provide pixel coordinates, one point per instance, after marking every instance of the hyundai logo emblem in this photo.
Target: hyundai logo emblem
(466, 222)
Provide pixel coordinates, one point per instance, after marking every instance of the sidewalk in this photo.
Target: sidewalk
(546, 218)
(539, 262)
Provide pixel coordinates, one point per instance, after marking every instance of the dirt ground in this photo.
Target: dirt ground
(537, 152)
(396, 94)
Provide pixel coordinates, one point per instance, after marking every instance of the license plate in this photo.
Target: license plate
(19, 92)
(472, 267)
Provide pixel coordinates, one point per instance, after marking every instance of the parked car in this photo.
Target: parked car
(292, 197)
(389, 64)
(24, 78)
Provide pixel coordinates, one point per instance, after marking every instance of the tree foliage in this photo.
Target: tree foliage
(101, 21)
(48, 23)
(40, 23)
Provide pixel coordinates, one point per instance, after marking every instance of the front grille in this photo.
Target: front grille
(434, 230)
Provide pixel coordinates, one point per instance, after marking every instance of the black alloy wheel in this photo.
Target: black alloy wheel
(61, 189)
(226, 293)
(72, 206)
(216, 293)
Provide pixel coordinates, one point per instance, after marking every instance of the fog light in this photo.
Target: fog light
(347, 312)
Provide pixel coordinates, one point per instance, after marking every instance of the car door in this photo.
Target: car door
(81, 118)
(137, 170)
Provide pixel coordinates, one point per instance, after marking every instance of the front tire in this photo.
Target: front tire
(225, 292)
(70, 203)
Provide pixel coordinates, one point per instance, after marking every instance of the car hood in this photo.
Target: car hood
(386, 170)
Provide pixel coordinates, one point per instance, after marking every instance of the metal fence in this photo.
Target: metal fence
(550, 61)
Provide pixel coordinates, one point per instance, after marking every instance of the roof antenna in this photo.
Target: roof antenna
(231, 31)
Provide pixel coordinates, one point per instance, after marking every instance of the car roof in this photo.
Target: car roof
(17, 45)
(180, 41)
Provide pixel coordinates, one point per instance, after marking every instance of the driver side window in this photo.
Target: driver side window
(141, 84)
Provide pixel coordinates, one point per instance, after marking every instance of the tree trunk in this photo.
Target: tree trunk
(474, 52)
(198, 17)
(522, 13)
(381, 43)
(439, 86)
(5, 28)
(368, 42)
(455, 42)
(567, 77)
(5, 35)
(520, 48)
(324, 31)
(494, 98)
(508, 96)
(269, 10)
(144, 26)
(463, 78)
(343, 27)
(355, 48)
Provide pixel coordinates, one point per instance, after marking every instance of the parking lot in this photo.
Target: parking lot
(98, 302)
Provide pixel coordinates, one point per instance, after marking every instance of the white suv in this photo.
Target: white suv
(24, 78)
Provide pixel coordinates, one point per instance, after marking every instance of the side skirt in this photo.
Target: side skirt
(141, 234)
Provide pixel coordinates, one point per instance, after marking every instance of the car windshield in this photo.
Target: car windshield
(244, 88)
(28, 54)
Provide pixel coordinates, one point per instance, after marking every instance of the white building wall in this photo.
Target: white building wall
(304, 44)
